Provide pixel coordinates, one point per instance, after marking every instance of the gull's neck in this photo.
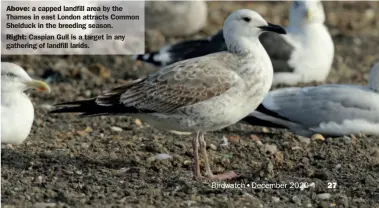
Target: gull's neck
(256, 67)
(243, 47)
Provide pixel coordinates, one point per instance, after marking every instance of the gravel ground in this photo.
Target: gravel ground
(111, 161)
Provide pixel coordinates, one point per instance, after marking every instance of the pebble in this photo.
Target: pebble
(87, 93)
(44, 205)
(374, 157)
(99, 70)
(46, 106)
(256, 139)
(162, 156)
(304, 140)
(318, 137)
(225, 141)
(296, 200)
(265, 130)
(138, 122)
(338, 166)
(324, 196)
(270, 167)
(275, 199)
(233, 138)
(116, 129)
(270, 149)
(213, 147)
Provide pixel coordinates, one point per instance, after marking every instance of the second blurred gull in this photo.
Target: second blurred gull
(304, 55)
(332, 110)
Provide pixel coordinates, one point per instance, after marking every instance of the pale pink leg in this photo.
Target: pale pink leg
(209, 174)
(196, 163)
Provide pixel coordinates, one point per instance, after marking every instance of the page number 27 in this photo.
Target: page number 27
(332, 185)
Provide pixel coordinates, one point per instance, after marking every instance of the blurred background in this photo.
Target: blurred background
(98, 162)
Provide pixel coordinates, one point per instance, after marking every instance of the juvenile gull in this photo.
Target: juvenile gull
(17, 112)
(200, 94)
(304, 55)
(332, 110)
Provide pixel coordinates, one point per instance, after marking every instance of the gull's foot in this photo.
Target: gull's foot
(222, 177)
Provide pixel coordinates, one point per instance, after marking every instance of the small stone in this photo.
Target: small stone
(225, 141)
(275, 199)
(233, 138)
(180, 133)
(162, 156)
(279, 157)
(78, 172)
(39, 179)
(270, 167)
(374, 159)
(88, 129)
(84, 145)
(138, 122)
(324, 196)
(100, 70)
(296, 200)
(304, 140)
(46, 106)
(270, 149)
(318, 137)
(44, 205)
(338, 166)
(88, 93)
(256, 139)
(265, 130)
(116, 129)
(213, 147)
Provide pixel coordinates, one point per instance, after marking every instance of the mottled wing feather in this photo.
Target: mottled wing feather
(181, 84)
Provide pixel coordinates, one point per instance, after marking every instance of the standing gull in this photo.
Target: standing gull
(200, 94)
(304, 55)
(17, 112)
(332, 110)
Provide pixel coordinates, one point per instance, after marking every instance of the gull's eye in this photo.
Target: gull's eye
(246, 19)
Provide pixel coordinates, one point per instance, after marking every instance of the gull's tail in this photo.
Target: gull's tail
(184, 50)
(92, 108)
(264, 117)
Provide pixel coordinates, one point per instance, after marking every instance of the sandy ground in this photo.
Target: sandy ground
(110, 161)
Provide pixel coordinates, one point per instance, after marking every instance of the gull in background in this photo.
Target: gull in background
(304, 55)
(17, 111)
(332, 110)
(176, 18)
(197, 95)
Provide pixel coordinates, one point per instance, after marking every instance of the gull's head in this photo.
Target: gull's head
(15, 79)
(248, 24)
(307, 11)
(374, 78)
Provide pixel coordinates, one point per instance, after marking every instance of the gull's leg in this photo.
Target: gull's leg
(209, 174)
(196, 163)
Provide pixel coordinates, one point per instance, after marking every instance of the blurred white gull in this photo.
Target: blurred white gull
(332, 110)
(304, 55)
(17, 112)
(176, 18)
(200, 94)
